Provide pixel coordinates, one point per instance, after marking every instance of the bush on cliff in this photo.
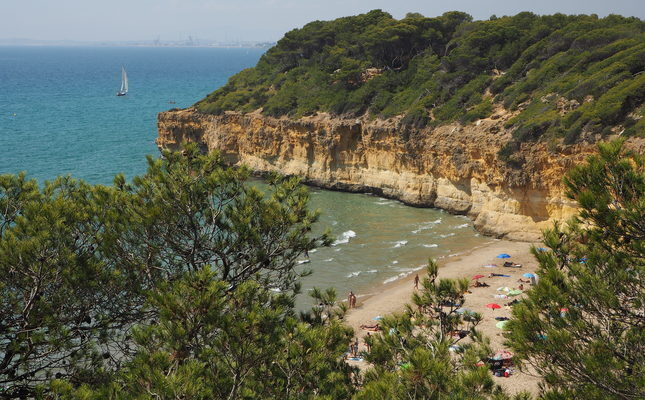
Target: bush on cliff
(450, 68)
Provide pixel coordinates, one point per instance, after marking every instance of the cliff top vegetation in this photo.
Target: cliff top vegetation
(568, 76)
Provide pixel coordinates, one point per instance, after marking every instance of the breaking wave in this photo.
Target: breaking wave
(344, 238)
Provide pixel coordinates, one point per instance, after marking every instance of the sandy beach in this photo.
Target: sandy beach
(393, 297)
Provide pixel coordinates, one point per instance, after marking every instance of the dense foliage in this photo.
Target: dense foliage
(565, 75)
(582, 327)
(79, 262)
(211, 343)
(182, 285)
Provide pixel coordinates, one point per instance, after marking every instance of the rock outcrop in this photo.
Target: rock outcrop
(453, 167)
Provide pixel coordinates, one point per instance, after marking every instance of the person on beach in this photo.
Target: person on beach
(416, 281)
(375, 327)
(356, 348)
(351, 299)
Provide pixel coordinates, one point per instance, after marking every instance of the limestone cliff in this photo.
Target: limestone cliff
(453, 167)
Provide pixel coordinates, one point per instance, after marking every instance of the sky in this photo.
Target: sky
(244, 20)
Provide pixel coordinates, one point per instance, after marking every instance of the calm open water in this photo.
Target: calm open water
(59, 115)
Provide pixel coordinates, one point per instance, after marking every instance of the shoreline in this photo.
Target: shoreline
(408, 279)
(392, 297)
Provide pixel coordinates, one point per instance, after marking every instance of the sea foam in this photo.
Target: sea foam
(357, 273)
(426, 225)
(406, 272)
(344, 238)
(400, 243)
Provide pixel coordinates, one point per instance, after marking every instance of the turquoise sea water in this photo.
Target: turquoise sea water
(59, 115)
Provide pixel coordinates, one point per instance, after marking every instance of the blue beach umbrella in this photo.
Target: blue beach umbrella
(503, 255)
(529, 275)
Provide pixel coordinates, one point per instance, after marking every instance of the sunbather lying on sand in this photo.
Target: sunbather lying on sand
(509, 264)
(480, 284)
(373, 328)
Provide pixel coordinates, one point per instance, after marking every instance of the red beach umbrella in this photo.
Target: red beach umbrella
(478, 277)
(493, 305)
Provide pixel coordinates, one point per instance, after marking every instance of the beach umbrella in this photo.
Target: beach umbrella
(503, 255)
(515, 292)
(564, 309)
(502, 355)
(541, 249)
(463, 310)
(493, 305)
(377, 318)
(501, 324)
(504, 289)
(478, 277)
(528, 275)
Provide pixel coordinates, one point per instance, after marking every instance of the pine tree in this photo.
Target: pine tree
(214, 343)
(582, 326)
(78, 261)
(421, 353)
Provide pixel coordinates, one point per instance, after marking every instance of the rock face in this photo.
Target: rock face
(453, 167)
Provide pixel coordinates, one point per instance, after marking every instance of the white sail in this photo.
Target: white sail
(124, 78)
(124, 81)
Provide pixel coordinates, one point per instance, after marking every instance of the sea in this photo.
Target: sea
(59, 115)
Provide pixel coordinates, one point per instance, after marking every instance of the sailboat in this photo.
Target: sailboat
(124, 83)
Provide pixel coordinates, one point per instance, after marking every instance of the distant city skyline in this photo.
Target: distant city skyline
(242, 20)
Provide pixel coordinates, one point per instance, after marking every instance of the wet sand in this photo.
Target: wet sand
(393, 297)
